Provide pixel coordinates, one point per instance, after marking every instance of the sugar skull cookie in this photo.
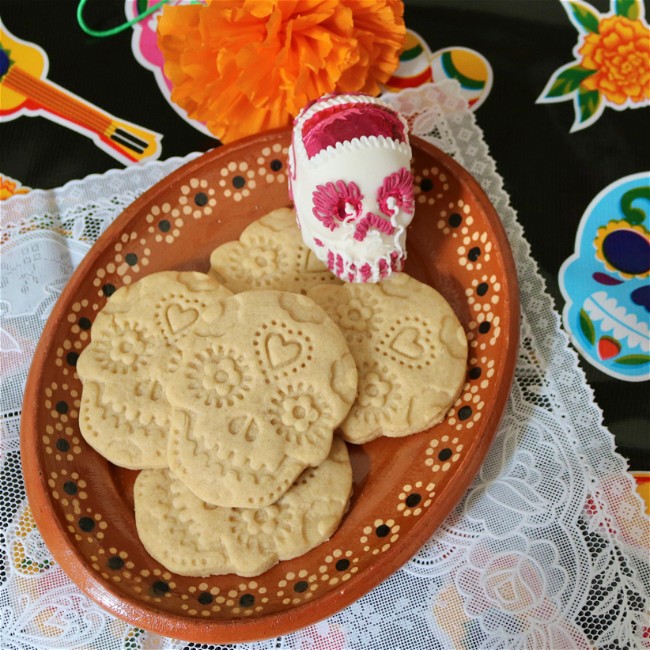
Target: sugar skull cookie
(260, 384)
(124, 414)
(270, 254)
(191, 538)
(410, 350)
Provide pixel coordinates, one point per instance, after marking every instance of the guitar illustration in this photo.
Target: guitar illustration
(25, 90)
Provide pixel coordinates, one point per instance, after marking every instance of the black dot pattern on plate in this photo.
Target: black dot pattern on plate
(201, 199)
(108, 290)
(426, 184)
(164, 225)
(482, 288)
(474, 373)
(276, 165)
(70, 487)
(474, 254)
(484, 327)
(71, 358)
(300, 586)
(464, 412)
(115, 563)
(247, 600)
(131, 259)
(205, 598)
(85, 323)
(62, 444)
(238, 182)
(413, 499)
(61, 407)
(382, 530)
(86, 524)
(445, 454)
(342, 564)
(455, 220)
(160, 587)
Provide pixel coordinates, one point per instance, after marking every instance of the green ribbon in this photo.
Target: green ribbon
(119, 28)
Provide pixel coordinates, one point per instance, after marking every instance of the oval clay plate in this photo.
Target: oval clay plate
(403, 487)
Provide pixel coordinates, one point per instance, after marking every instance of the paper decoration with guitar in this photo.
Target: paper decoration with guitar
(26, 91)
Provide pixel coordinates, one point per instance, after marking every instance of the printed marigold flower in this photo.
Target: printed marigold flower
(243, 66)
(620, 54)
(9, 188)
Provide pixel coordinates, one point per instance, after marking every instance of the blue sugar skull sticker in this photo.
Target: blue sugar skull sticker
(606, 282)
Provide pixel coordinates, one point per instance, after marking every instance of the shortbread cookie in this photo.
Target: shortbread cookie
(410, 351)
(270, 254)
(191, 538)
(263, 380)
(124, 414)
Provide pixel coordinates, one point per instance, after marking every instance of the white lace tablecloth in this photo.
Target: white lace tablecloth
(548, 549)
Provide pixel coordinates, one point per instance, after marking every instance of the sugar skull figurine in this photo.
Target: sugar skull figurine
(351, 184)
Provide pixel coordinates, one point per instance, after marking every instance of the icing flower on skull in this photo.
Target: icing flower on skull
(351, 184)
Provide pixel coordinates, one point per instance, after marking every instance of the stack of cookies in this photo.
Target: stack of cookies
(226, 390)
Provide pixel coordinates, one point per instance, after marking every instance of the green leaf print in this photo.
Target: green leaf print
(585, 16)
(567, 80)
(627, 8)
(588, 101)
(633, 214)
(142, 6)
(634, 360)
(587, 327)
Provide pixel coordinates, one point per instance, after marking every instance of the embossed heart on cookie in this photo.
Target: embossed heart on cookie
(180, 319)
(280, 352)
(406, 343)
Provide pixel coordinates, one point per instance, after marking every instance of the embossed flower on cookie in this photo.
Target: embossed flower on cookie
(411, 354)
(124, 414)
(352, 186)
(263, 380)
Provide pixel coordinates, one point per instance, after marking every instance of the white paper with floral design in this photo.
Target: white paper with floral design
(548, 549)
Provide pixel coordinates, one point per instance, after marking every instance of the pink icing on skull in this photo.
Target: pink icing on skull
(351, 184)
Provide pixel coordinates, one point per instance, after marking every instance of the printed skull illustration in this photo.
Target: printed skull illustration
(351, 184)
(606, 282)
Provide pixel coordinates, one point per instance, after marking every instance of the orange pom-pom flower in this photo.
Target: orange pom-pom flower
(244, 66)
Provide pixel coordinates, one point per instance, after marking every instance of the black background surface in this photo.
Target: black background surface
(550, 174)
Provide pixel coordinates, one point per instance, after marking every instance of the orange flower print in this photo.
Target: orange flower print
(620, 55)
(9, 188)
(612, 65)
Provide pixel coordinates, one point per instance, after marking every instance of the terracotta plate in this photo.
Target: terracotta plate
(403, 488)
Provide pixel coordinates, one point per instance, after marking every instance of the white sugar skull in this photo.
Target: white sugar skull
(351, 184)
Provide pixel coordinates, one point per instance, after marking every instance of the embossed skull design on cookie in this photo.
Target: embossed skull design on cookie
(351, 184)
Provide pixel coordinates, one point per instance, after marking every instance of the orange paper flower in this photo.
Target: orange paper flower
(243, 66)
(620, 54)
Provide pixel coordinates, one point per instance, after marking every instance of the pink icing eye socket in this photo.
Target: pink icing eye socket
(396, 193)
(336, 202)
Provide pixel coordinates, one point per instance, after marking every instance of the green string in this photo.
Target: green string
(119, 28)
